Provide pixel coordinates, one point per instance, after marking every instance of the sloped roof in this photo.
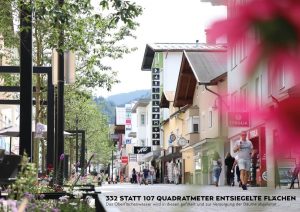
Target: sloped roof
(207, 66)
(140, 103)
(198, 67)
(169, 95)
(176, 47)
(166, 98)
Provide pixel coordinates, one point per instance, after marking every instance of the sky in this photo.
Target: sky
(169, 21)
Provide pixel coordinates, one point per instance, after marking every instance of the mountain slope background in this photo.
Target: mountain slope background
(124, 98)
(108, 105)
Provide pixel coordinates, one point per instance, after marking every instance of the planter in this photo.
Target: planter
(53, 195)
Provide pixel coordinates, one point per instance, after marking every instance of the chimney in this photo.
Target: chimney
(209, 39)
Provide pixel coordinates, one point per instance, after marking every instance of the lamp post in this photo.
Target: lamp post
(60, 98)
(82, 152)
(76, 121)
(26, 78)
(112, 166)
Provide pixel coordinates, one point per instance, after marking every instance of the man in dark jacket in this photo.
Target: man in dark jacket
(229, 160)
(146, 174)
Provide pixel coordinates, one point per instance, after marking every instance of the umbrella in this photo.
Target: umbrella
(13, 131)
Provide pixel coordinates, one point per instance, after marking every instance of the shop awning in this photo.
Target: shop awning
(171, 156)
(207, 141)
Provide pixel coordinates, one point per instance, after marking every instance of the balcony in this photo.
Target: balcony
(192, 138)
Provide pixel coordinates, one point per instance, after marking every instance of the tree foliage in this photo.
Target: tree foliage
(96, 31)
(90, 119)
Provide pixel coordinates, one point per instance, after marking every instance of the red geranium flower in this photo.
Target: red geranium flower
(287, 118)
(50, 167)
(277, 24)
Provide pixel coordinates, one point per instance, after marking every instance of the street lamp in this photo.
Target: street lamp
(112, 166)
(76, 121)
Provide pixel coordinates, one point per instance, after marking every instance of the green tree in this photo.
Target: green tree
(95, 30)
(90, 119)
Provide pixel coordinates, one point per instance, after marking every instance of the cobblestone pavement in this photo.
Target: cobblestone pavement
(170, 197)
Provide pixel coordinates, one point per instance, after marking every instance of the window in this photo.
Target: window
(257, 93)
(233, 104)
(281, 77)
(276, 79)
(243, 48)
(193, 124)
(270, 80)
(234, 56)
(244, 95)
(210, 119)
(198, 164)
(142, 119)
(195, 127)
(203, 121)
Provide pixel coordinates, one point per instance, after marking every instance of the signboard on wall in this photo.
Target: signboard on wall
(141, 149)
(120, 116)
(238, 119)
(155, 106)
(128, 126)
(132, 157)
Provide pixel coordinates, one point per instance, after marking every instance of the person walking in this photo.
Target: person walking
(229, 161)
(216, 167)
(146, 174)
(244, 149)
(138, 178)
(235, 169)
(157, 175)
(176, 174)
(152, 174)
(133, 179)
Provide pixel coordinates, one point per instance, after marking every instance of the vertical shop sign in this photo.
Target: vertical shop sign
(155, 106)
(127, 123)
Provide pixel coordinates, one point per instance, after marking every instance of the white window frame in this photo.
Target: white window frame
(270, 81)
(203, 121)
(192, 121)
(243, 48)
(234, 56)
(281, 78)
(244, 97)
(233, 101)
(257, 93)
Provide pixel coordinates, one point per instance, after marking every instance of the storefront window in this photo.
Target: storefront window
(198, 164)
